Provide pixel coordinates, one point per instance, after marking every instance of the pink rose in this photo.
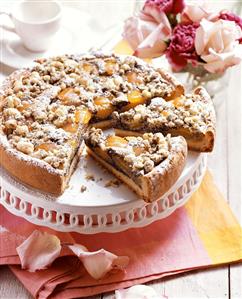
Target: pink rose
(182, 48)
(195, 13)
(229, 16)
(147, 33)
(166, 6)
(217, 44)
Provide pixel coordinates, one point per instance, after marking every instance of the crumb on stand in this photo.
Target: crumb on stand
(99, 179)
(83, 188)
(113, 183)
(89, 177)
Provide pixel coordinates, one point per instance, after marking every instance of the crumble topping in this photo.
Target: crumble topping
(43, 108)
(139, 154)
(186, 112)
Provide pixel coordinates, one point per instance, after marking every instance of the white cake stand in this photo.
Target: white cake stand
(99, 208)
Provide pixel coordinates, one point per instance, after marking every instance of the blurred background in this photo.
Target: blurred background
(85, 24)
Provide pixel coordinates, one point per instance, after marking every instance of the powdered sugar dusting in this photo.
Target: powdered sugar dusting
(33, 107)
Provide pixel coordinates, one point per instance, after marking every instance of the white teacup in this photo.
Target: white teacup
(36, 22)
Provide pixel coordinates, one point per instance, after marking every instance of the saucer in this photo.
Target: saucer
(72, 37)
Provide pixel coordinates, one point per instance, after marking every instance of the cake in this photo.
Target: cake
(46, 110)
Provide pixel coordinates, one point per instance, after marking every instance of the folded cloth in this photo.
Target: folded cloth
(202, 233)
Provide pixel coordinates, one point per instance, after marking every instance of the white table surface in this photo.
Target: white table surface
(225, 165)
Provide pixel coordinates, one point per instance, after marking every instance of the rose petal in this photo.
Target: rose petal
(203, 34)
(147, 33)
(197, 12)
(216, 42)
(98, 263)
(220, 62)
(227, 15)
(138, 292)
(135, 31)
(38, 251)
(153, 45)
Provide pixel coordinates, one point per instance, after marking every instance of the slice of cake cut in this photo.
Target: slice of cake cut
(191, 116)
(149, 164)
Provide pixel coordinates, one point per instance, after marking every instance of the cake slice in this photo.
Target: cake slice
(191, 116)
(149, 164)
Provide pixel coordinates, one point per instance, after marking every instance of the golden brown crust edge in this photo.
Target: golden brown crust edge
(157, 182)
(36, 176)
(210, 135)
(31, 174)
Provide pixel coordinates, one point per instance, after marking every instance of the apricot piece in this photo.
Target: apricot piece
(110, 67)
(138, 150)
(135, 98)
(68, 95)
(164, 113)
(73, 143)
(83, 116)
(115, 141)
(105, 108)
(88, 67)
(48, 146)
(24, 107)
(132, 77)
(70, 127)
(177, 102)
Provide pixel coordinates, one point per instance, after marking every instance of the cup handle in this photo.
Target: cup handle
(8, 28)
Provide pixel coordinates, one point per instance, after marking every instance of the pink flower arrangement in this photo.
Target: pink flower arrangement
(182, 48)
(186, 34)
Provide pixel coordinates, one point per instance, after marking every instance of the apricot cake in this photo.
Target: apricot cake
(149, 164)
(46, 110)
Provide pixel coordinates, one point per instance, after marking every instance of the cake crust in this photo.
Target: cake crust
(156, 183)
